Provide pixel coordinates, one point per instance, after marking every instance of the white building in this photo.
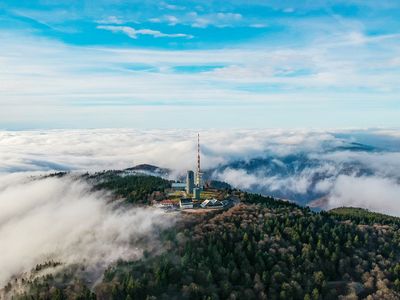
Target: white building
(186, 203)
(211, 203)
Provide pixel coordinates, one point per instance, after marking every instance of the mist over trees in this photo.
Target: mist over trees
(260, 249)
(65, 219)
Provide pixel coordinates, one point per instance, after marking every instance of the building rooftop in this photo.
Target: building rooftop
(186, 200)
(178, 184)
(211, 203)
(167, 201)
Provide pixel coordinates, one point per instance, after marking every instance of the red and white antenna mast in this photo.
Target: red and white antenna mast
(198, 173)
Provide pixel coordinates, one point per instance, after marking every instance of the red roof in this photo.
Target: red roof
(167, 202)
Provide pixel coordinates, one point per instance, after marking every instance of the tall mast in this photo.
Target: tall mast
(198, 173)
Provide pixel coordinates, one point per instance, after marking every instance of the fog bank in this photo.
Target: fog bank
(301, 165)
(63, 220)
(373, 193)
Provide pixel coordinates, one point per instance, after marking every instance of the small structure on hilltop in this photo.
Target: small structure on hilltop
(178, 186)
(228, 203)
(167, 204)
(196, 194)
(186, 203)
(193, 185)
(211, 203)
(189, 182)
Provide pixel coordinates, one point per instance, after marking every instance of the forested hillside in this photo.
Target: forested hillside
(259, 249)
(364, 216)
(270, 251)
(135, 189)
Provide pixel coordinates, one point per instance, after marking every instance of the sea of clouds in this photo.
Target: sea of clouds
(63, 219)
(300, 165)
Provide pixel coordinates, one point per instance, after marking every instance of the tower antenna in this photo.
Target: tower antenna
(198, 173)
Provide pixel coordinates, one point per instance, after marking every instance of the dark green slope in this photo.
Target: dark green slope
(260, 249)
(364, 216)
(274, 250)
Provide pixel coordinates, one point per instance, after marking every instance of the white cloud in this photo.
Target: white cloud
(133, 33)
(155, 20)
(172, 20)
(264, 179)
(111, 20)
(96, 149)
(52, 75)
(384, 164)
(324, 186)
(318, 157)
(63, 220)
(373, 193)
(289, 10)
(239, 178)
(259, 25)
(172, 6)
(219, 19)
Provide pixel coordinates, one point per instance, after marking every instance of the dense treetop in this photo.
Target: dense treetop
(135, 189)
(364, 216)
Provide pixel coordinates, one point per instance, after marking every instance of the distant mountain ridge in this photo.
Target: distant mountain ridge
(273, 173)
(305, 177)
(149, 170)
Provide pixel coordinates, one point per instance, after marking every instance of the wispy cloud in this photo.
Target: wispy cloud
(218, 19)
(170, 6)
(303, 64)
(134, 33)
(314, 77)
(111, 20)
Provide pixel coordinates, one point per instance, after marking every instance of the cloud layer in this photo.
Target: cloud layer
(374, 193)
(300, 165)
(346, 78)
(63, 220)
(100, 149)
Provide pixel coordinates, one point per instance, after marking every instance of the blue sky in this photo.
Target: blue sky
(199, 64)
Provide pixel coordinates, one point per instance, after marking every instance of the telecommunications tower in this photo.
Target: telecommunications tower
(198, 171)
